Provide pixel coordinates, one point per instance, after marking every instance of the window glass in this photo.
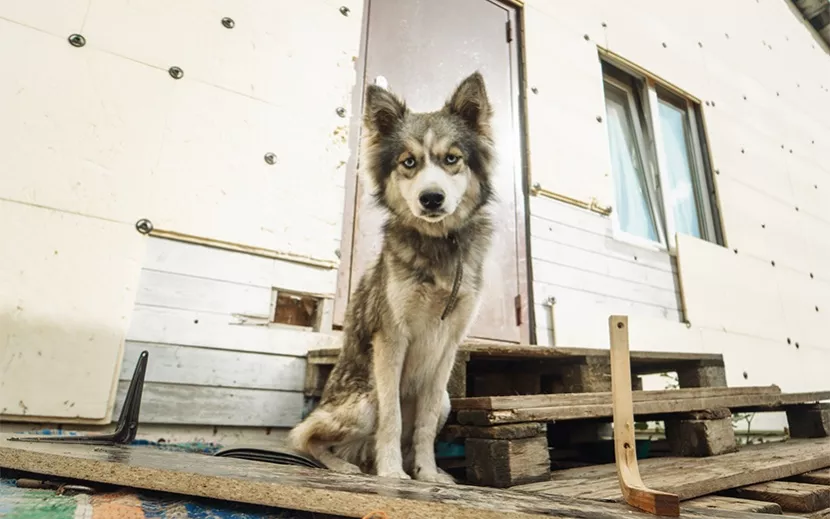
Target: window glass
(633, 208)
(679, 175)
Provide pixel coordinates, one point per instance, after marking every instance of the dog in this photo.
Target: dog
(385, 400)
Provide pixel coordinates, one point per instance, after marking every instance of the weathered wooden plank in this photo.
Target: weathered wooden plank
(572, 399)
(732, 503)
(499, 432)
(208, 330)
(818, 477)
(650, 409)
(299, 488)
(793, 497)
(695, 477)
(215, 368)
(188, 405)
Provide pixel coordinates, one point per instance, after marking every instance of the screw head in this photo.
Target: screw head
(228, 23)
(144, 226)
(534, 90)
(76, 40)
(345, 10)
(599, 118)
(341, 111)
(270, 158)
(176, 72)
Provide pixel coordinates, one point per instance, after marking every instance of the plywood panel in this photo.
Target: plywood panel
(68, 288)
(213, 158)
(247, 269)
(208, 330)
(726, 291)
(215, 368)
(178, 404)
(58, 18)
(87, 145)
(269, 54)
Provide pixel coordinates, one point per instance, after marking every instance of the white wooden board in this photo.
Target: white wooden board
(57, 18)
(209, 330)
(236, 267)
(215, 368)
(185, 405)
(68, 288)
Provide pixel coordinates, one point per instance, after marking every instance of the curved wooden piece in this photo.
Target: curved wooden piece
(633, 489)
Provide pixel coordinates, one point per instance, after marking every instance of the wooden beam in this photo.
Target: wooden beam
(634, 491)
(818, 477)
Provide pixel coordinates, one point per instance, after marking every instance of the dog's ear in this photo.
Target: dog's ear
(469, 101)
(383, 111)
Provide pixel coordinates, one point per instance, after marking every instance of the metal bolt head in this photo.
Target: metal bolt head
(341, 111)
(270, 158)
(534, 90)
(144, 226)
(76, 40)
(599, 118)
(176, 72)
(228, 23)
(345, 10)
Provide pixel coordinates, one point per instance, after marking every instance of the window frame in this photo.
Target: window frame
(648, 132)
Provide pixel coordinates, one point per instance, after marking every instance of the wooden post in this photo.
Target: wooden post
(703, 433)
(633, 489)
(809, 421)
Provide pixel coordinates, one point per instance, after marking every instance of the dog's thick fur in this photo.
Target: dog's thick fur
(386, 398)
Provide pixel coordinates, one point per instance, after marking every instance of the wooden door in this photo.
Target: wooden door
(421, 50)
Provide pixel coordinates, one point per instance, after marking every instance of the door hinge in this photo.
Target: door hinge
(517, 303)
(508, 31)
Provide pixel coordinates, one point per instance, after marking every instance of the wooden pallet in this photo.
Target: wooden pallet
(495, 369)
(502, 434)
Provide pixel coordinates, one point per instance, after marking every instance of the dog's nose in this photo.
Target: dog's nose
(431, 200)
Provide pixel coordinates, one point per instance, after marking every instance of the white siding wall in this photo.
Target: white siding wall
(765, 82)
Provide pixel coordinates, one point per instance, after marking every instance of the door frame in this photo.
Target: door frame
(527, 326)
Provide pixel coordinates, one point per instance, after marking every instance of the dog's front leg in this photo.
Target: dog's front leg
(389, 356)
(431, 411)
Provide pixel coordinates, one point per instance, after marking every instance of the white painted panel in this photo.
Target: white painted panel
(59, 18)
(208, 330)
(81, 128)
(237, 267)
(569, 277)
(811, 187)
(179, 291)
(217, 368)
(726, 291)
(69, 283)
(212, 158)
(269, 54)
(185, 405)
(806, 306)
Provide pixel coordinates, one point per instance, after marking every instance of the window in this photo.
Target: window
(661, 182)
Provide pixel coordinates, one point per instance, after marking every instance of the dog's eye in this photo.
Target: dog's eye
(451, 159)
(409, 163)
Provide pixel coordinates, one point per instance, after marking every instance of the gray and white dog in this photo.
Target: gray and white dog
(386, 399)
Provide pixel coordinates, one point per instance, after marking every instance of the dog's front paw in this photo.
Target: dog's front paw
(393, 474)
(435, 477)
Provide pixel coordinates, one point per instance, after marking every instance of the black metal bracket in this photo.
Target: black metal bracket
(127, 426)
